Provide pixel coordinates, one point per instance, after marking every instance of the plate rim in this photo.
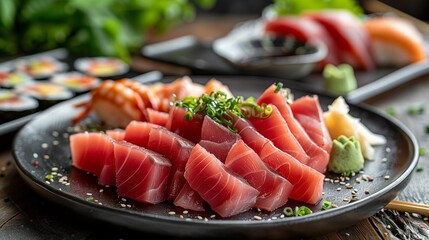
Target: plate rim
(403, 178)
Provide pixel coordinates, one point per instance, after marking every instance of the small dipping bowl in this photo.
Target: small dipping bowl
(282, 56)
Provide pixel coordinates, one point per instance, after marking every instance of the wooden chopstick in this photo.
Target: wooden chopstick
(401, 206)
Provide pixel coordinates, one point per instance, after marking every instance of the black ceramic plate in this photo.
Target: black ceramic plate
(45, 140)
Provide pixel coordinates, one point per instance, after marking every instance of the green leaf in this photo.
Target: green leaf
(296, 7)
(7, 12)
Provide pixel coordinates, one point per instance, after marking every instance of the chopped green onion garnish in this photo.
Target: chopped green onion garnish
(219, 107)
(90, 199)
(346, 173)
(278, 87)
(303, 210)
(288, 211)
(415, 110)
(391, 111)
(326, 205)
(49, 177)
(422, 151)
(419, 169)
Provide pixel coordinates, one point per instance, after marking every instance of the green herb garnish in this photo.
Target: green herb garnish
(391, 111)
(49, 177)
(288, 212)
(219, 107)
(422, 151)
(413, 110)
(419, 169)
(303, 210)
(326, 205)
(278, 87)
(89, 199)
(296, 7)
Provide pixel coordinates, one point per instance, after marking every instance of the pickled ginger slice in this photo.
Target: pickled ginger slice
(340, 122)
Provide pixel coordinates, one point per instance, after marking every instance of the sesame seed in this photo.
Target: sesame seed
(123, 205)
(45, 145)
(256, 217)
(55, 134)
(54, 169)
(89, 194)
(55, 142)
(171, 213)
(129, 205)
(180, 216)
(327, 179)
(386, 177)
(388, 226)
(199, 217)
(213, 216)
(425, 219)
(123, 199)
(274, 217)
(107, 186)
(357, 180)
(46, 157)
(206, 219)
(339, 189)
(185, 212)
(101, 190)
(348, 234)
(384, 160)
(388, 149)
(47, 182)
(366, 192)
(348, 186)
(345, 199)
(35, 155)
(342, 183)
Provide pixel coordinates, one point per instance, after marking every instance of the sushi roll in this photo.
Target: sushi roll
(76, 81)
(47, 93)
(11, 79)
(101, 66)
(394, 41)
(13, 105)
(40, 67)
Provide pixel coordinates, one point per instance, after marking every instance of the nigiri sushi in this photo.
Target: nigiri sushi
(394, 41)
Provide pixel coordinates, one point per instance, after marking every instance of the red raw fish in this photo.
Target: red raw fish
(141, 174)
(216, 138)
(226, 194)
(177, 149)
(177, 123)
(309, 113)
(189, 199)
(273, 189)
(93, 152)
(319, 158)
(277, 131)
(304, 178)
(306, 30)
(117, 134)
(157, 117)
(137, 132)
(349, 36)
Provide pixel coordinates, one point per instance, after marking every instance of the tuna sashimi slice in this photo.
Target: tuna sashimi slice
(308, 112)
(307, 182)
(157, 117)
(117, 133)
(141, 174)
(277, 131)
(175, 148)
(282, 163)
(137, 132)
(273, 189)
(93, 152)
(319, 158)
(216, 138)
(226, 194)
(189, 199)
(177, 123)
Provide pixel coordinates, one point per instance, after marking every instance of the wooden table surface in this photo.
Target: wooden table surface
(26, 215)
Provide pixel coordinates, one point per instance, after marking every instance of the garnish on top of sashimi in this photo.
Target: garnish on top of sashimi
(204, 143)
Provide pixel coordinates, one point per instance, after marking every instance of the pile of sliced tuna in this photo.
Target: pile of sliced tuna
(200, 163)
